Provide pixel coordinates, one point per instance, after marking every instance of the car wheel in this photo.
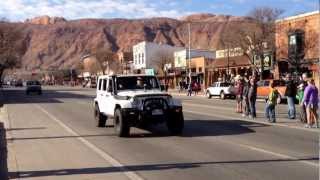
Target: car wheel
(208, 95)
(175, 124)
(100, 119)
(27, 93)
(40, 92)
(222, 95)
(121, 126)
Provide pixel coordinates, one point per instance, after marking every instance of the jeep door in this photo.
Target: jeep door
(101, 93)
(110, 101)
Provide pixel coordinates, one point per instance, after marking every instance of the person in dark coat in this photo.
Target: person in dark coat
(252, 97)
(290, 93)
(246, 107)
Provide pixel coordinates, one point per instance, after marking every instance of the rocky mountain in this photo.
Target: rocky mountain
(54, 42)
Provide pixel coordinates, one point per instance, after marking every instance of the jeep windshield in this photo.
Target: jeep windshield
(137, 83)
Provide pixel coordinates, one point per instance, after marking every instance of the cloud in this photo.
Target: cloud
(18, 10)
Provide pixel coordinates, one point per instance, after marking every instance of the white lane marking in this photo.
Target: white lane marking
(129, 173)
(252, 147)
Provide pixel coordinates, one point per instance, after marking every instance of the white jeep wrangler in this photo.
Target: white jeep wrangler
(135, 101)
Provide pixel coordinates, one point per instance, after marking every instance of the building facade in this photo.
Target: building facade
(181, 57)
(146, 55)
(297, 43)
(126, 61)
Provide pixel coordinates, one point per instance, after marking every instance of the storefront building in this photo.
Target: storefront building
(297, 43)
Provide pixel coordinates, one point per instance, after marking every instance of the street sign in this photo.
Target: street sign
(149, 72)
(267, 61)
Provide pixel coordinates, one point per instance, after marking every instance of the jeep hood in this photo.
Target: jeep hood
(134, 93)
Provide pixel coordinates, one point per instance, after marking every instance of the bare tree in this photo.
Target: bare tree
(11, 46)
(106, 60)
(257, 34)
(162, 59)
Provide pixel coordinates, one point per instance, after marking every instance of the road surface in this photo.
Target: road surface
(53, 136)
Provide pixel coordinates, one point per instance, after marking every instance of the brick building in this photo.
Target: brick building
(297, 43)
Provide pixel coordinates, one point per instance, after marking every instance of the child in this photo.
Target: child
(271, 104)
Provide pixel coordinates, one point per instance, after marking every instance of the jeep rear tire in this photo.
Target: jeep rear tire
(100, 119)
(121, 126)
(208, 95)
(175, 124)
(222, 95)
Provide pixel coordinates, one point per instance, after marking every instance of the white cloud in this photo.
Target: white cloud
(18, 10)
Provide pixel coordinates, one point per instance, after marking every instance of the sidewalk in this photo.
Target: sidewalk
(3, 152)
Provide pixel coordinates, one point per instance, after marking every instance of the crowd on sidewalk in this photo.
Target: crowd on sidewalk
(304, 91)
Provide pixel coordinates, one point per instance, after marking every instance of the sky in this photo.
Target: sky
(19, 10)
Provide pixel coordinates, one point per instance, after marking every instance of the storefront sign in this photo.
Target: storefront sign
(149, 72)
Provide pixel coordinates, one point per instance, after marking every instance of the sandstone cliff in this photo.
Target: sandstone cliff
(57, 43)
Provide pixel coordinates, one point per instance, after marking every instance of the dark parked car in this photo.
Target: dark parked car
(33, 86)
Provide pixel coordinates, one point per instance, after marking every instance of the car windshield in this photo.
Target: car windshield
(137, 82)
(30, 83)
(225, 84)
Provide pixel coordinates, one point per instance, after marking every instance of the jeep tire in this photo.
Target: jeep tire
(222, 95)
(121, 126)
(100, 119)
(175, 124)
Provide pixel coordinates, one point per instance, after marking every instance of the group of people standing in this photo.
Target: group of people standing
(308, 97)
(193, 88)
(303, 91)
(246, 96)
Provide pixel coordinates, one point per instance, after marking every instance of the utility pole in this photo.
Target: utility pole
(228, 67)
(189, 53)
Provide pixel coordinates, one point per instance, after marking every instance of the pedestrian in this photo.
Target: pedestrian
(290, 93)
(302, 108)
(271, 104)
(195, 88)
(189, 91)
(252, 97)
(239, 94)
(180, 86)
(310, 100)
(246, 107)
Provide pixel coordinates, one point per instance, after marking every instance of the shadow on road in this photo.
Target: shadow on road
(18, 96)
(198, 128)
(147, 167)
(3, 153)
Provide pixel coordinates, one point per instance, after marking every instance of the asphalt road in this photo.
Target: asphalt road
(57, 133)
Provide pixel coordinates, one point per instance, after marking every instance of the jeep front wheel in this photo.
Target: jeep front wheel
(100, 119)
(175, 124)
(121, 126)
